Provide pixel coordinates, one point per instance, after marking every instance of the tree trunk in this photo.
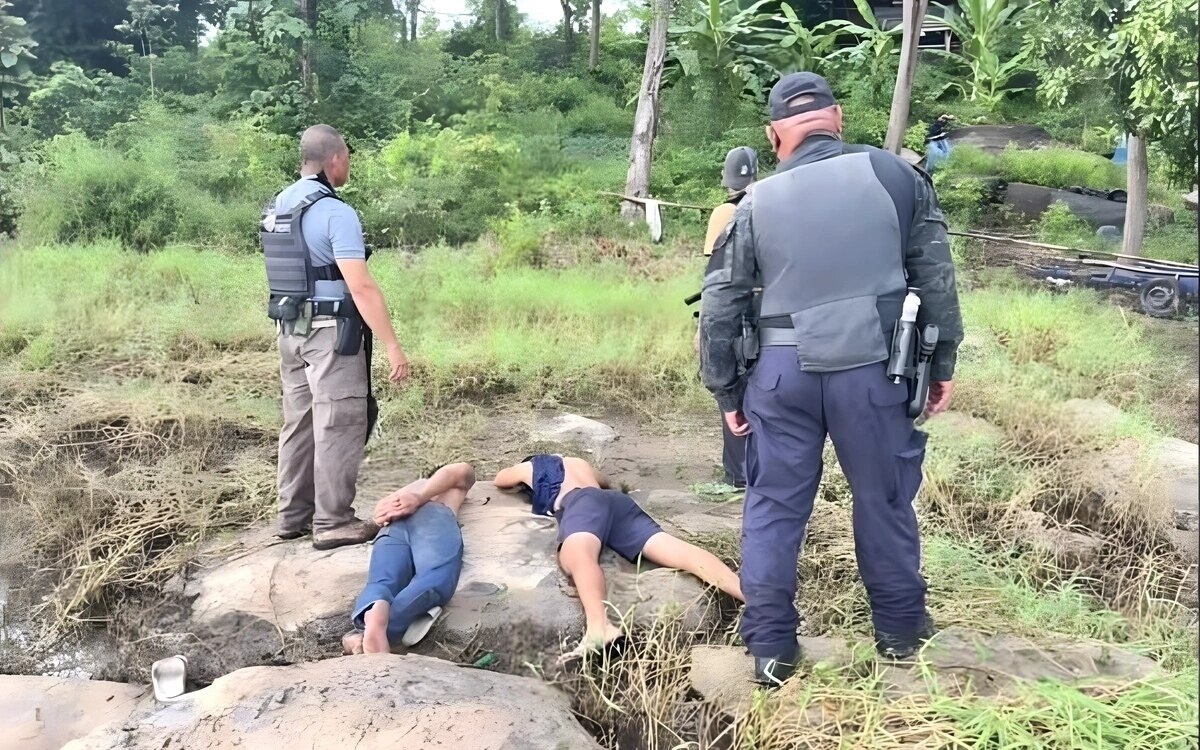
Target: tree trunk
(501, 20)
(568, 27)
(594, 53)
(914, 17)
(645, 120)
(1137, 187)
(413, 7)
(308, 13)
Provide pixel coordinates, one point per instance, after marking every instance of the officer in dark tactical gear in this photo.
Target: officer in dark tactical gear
(737, 176)
(857, 334)
(326, 308)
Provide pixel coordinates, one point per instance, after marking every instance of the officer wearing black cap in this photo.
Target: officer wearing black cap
(845, 241)
(737, 176)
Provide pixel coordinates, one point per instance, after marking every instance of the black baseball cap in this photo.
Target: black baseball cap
(797, 93)
(741, 168)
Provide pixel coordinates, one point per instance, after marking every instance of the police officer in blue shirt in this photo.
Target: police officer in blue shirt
(327, 308)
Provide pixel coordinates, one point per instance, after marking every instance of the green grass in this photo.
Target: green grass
(1050, 167)
(590, 332)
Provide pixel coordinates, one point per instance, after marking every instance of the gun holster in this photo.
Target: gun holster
(918, 384)
(349, 328)
(746, 346)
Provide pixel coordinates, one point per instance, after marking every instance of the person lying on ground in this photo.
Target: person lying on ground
(590, 517)
(415, 562)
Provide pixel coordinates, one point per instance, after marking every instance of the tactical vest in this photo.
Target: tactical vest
(291, 276)
(830, 251)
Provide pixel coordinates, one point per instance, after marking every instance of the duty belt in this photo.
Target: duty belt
(777, 337)
(776, 330)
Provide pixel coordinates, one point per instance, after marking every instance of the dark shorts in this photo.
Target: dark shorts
(611, 516)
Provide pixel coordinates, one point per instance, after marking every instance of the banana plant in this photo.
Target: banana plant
(725, 40)
(747, 45)
(876, 45)
(802, 48)
(980, 26)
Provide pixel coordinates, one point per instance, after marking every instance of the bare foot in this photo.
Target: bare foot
(375, 640)
(352, 643)
(593, 643)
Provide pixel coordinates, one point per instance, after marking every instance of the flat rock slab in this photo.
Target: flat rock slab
(572, 429)
(511, 586)
(1159, 482)
(689, 515)
(372, 702)
(961, 660)
(44, 713)
(289, 584)
(995, 138)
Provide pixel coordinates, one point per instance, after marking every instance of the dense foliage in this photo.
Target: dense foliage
(155, 121)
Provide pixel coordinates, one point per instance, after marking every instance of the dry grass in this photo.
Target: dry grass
(110, 491)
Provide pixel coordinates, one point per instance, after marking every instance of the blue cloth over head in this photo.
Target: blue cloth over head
(548, 476)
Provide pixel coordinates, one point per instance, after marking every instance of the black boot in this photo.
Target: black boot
(774, 671)
(895, 646)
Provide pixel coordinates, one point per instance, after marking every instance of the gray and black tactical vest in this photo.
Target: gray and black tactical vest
(290, 272)
(830, 239)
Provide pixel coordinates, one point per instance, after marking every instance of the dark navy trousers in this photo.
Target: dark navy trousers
(790, 412)
(733, 454)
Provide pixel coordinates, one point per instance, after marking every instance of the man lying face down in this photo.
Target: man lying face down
(415, 562)
(590, 517)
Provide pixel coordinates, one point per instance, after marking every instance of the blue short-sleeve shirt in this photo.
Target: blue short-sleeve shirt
(332, 229)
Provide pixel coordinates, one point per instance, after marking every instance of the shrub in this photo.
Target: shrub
(968, 160)
(520, 237)
(1059, 226)
(963, 198)
(162, 177)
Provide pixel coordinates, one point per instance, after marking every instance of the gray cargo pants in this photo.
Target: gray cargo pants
(324, 431)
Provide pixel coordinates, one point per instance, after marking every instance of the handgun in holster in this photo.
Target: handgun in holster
(910, 359)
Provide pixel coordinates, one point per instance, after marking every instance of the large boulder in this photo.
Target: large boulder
(573, 430)
(381, 702)
(44, 713)
(960, 661)
(248, 606)
(1159, 482)
(274, 603)
(686, 515)
(993, 139)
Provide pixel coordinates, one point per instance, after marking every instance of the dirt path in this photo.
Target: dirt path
(671, 453)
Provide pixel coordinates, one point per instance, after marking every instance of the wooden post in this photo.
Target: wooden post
(1137, 189)
(645, 120)
(914, 18)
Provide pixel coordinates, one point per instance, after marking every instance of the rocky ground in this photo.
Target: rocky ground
(251, 601)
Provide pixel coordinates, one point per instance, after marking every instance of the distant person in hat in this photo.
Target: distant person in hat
(738, 176)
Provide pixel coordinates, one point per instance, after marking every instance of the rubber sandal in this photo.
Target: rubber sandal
(169, 678)
(420, 627)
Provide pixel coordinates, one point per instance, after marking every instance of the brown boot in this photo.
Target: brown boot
(354, 532)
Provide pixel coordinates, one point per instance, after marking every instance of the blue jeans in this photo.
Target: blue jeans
(415, 563)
